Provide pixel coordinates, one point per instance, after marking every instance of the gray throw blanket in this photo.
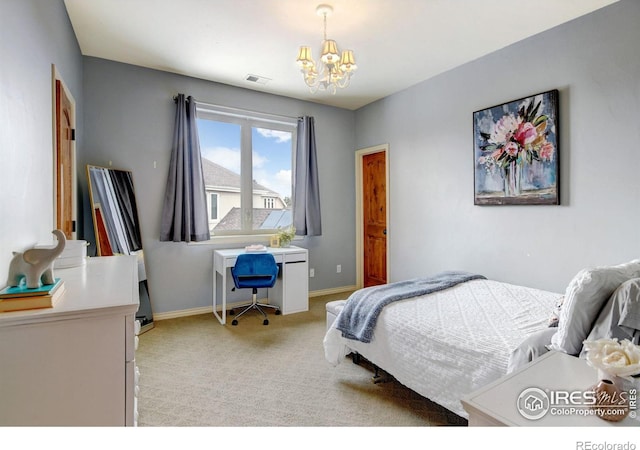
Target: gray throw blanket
(360, 314)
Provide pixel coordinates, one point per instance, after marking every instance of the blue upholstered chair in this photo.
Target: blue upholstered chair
(254, 271)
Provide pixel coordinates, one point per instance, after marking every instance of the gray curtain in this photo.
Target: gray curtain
(184, 213)
(306, 208)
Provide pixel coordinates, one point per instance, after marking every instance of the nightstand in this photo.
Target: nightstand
(546, 392)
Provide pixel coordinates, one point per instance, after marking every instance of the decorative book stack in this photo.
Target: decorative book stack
(17, 298)
(255, 248)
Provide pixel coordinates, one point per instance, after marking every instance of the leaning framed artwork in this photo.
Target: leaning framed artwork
(515, 151)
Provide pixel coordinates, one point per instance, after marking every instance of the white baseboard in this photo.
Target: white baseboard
(208, 309)
(200, 310)
(332, 291)
(182, 313)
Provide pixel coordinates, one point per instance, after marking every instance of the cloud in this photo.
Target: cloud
(258, 160)
(226, 157)
(284, 176)
(279, 136)
(279, 182)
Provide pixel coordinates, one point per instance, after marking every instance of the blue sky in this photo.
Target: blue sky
(220, 143)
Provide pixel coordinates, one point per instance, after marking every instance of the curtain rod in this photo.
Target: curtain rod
(240, 111)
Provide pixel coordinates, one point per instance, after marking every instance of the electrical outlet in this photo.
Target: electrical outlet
(338, 268)
(312, 273)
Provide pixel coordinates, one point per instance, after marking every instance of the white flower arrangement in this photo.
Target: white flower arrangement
(621, 359)
(286, 235)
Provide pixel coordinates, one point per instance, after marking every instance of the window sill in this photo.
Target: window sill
(242, 240)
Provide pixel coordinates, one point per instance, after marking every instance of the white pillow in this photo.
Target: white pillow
(534, 345)
(584, 298)
(620, 316)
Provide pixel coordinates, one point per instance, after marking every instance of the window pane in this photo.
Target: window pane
(220, 146)
(271, 161)
(214, 206)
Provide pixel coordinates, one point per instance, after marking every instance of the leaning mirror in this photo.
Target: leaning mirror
(116, 226)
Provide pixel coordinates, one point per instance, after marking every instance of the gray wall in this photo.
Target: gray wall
(129, 115)
(125, 115)
(594, 61)
(34, 35)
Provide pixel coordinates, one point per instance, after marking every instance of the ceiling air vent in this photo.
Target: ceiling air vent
(257, 79)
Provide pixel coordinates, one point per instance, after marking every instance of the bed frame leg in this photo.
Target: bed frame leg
(379, 375)
(376, 375)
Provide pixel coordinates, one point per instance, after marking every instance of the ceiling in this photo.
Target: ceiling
(397, 43)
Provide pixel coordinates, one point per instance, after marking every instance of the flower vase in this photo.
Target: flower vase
(611, 402)
(512, 179)
(623, 384)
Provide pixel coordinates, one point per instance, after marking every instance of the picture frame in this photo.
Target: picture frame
(516, 152)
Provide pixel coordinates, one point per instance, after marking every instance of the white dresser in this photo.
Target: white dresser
(73, 364)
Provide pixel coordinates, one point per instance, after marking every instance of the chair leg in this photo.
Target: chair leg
(257, 306)
(248, 308)
(274, 307)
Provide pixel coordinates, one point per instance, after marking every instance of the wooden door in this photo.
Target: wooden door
(64, 158)
(374, 216)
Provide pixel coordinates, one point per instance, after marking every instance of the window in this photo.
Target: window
(247, 161)
(213, 206)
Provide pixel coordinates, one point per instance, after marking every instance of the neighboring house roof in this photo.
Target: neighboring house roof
(221, 177)
(263, 219)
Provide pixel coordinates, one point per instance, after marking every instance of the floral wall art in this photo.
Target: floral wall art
(516, 152)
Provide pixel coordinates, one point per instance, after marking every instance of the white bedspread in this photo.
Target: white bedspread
(447, 344)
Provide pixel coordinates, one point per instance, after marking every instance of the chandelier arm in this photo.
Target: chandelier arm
(317, 86)
(344, 81)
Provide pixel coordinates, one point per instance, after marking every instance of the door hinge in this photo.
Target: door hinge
(73, 134)
(73, 226)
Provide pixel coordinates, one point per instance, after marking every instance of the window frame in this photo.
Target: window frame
(247, 120)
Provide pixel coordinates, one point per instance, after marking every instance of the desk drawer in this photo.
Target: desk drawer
(295, 257)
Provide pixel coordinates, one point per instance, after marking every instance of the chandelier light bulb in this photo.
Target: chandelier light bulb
(305, 60)
(348, 61)
(330, 52)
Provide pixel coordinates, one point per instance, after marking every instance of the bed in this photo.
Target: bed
(447, 344)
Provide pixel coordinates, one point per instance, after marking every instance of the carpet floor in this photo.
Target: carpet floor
(196, 372)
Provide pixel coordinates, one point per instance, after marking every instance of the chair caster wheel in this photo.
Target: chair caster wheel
(234, 322)
(278, 312)
(266, 322)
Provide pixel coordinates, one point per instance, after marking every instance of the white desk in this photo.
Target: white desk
(291, 291)
(496, 403)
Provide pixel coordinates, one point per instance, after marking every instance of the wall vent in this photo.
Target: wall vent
(257, 79)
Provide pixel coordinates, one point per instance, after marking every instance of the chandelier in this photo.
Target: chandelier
(335, 70)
